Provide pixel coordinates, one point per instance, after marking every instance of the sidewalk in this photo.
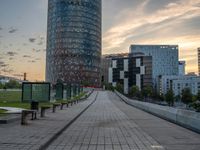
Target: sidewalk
(104, 127)
(38, 132)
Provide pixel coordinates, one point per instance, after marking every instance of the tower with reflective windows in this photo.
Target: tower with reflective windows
(74, 41)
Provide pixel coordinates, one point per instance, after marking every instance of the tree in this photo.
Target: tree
(1, 86)
(186, 96)
(119, 88)
(134, 91)
(147, 91)
(169, 97)
(198, 96)
(12, 84)
(109, 87)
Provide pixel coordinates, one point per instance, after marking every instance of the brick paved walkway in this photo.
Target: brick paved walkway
(110, 124)
(13, 136)
(104, 126)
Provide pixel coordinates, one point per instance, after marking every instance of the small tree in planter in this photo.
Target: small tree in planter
(119, 88)
(169, 97)
(186, 96)
(134, 91)
(147, 92)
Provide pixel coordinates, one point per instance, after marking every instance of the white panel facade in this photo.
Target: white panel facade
(142, 70)
(126, 85)
(126, 65)
(121, 74)
(110, 75)
(138, 81)
(114, 64)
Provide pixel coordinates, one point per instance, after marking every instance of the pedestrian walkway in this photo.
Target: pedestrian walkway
(110, 124)
(31, 137)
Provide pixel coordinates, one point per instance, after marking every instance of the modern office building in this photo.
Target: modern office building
(106, 61)
(164, 58)
(74, 41)
(198, 59)
(178, 83)
(181, 67)
(132, 70)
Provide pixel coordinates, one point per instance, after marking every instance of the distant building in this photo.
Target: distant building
(6, 79)
(199, 59)
(181, 67)
(178, 83)
(164, 59)
(132, 70)
(191, 74)
(106, 61)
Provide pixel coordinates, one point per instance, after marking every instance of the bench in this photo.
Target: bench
(54, 107)
(62, 104)
(43, 108)
(71, 102)
(25, 113)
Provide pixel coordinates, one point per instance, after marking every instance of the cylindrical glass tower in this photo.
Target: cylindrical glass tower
(74, 41)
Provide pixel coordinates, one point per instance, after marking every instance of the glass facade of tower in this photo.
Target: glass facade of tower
(74, 41)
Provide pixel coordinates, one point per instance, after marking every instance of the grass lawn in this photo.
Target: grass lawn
(13, 99)
(2, 112)
(10, 96)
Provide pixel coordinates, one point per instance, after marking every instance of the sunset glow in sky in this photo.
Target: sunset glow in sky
(23, 25)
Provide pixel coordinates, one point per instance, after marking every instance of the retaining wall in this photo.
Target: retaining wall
(186, 118)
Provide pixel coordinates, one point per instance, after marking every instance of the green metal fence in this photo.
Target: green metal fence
(35, 91)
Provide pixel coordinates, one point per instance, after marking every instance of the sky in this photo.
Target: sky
(23, 26)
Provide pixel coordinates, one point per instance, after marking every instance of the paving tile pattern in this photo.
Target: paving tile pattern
(104, 127)
(13, 136)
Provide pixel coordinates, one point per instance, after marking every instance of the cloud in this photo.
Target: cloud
(31, 61)
(1, 28)
(140, 26)
(32, 40)
(41, 40)
(3, 64)
(11, 53)
(12, 30)
(26, 56)
(18, 75)
(7, 70)
(36, 50)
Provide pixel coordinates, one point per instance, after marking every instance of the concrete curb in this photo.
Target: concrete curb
(56, 135)
(185, 118)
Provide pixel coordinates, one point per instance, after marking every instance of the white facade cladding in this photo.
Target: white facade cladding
(110, 75)
(130, 71)
(178, 83)
(164, 59)
(138, 81)
(114, 64)
(126, 65)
